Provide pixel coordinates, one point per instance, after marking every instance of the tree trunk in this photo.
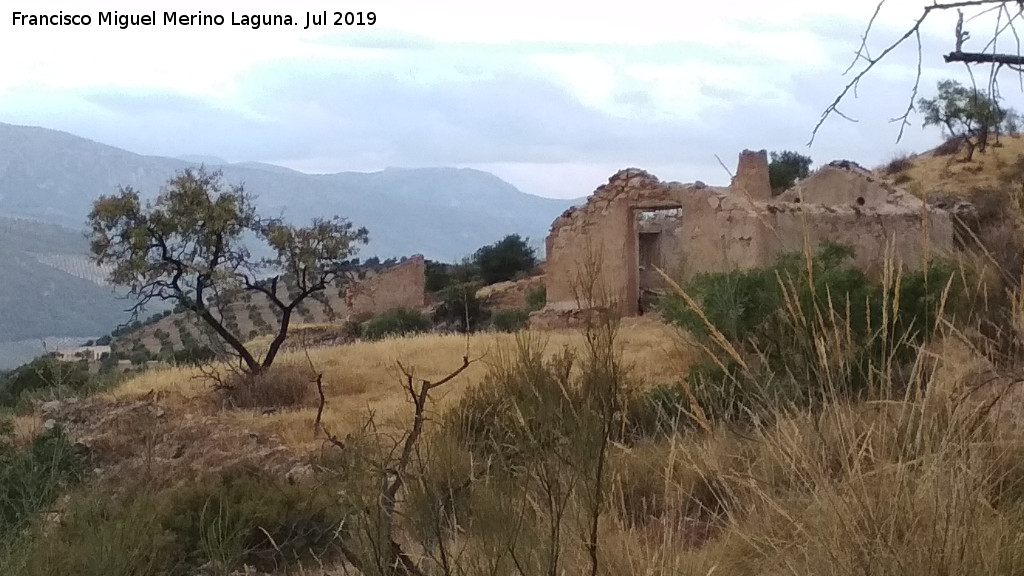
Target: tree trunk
(282, 333)
(250, 361)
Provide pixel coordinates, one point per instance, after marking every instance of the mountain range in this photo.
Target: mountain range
(49, 180)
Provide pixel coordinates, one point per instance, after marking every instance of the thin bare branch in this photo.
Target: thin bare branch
(1005, 21)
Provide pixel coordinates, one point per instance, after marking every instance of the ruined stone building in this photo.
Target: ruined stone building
(636, 222)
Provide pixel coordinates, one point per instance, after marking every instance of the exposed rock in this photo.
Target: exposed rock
(509, 295)
(299, 472)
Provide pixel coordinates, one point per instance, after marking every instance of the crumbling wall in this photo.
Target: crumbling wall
(752, 175)
(873, 234)
(594, 248)
(399, 286)
(844, 183)
(721, 229)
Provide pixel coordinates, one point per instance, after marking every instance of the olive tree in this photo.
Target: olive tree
(968, 114)
(191, 246)
(786, 168)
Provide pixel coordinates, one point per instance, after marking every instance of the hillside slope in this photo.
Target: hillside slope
(938, 173)
(48, 288)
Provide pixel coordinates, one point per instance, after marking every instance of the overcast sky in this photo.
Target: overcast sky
(550, 95)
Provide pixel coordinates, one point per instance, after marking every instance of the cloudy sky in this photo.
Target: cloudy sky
(551, 95)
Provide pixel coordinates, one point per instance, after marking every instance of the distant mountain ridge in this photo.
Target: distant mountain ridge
(443, 213)
(49, 180)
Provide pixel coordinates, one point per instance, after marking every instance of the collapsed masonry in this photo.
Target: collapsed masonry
(636, 223)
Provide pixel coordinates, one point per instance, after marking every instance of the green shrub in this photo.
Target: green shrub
(352, 329)
(504, 259)
(31, 478)
(397, 322)
(214, 527)
(512, 320)
(46, 375)
(193, 355)
(785, 168)
(800, 334)
(657, 412)
(530, 408)
(461, 308)
(536, 298)
(438, 275)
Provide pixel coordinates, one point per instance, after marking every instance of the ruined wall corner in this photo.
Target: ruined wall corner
(752, 175)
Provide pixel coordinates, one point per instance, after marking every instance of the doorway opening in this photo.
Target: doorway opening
(653, 226)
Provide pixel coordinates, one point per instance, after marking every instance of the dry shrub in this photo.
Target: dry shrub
(899, 164)
(672, 482)
(998, 229)
(279, 387)
(950, 147)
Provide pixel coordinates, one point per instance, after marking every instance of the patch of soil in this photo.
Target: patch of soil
(143, 441)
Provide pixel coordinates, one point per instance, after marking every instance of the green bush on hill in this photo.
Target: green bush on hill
(32, 477)
(504, 259)
(536, 298)
(461, 308)
(44, 375)
(512, 320)
(395, 323)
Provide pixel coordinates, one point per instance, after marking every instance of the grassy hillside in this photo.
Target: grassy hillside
(944, 172)
(922, 483)
(796, 420)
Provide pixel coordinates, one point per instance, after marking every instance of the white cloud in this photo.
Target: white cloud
(545, 92)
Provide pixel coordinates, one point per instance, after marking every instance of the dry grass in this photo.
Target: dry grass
(362, 378)
(948, 175)
(925, 480)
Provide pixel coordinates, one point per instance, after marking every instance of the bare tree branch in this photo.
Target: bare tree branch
(1005, 21)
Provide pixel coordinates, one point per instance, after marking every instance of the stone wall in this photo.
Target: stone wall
(595, 249)
(400, 286)
(752, 175)
(847, 184)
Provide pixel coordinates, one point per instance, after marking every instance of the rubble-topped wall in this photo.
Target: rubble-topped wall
(400, 286)
(719, 231)
(844, 183)
(722, 229)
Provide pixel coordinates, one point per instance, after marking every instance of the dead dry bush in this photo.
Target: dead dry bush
(949, 147)
(280, 387)
(898, 164)
(998, 230)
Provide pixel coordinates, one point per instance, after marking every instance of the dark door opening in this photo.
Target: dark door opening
(654, 233)
(650, 280)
